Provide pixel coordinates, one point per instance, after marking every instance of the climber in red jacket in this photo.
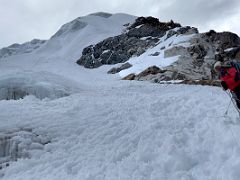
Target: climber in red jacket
(229, 77)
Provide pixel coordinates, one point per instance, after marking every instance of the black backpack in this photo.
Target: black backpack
(236, 65)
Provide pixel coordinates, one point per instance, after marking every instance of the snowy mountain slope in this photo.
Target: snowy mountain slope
(72, 37)
(67, 44)
(128, 131)
(77, 123)
(58, 54)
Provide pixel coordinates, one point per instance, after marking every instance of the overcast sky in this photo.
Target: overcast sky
(23, 20)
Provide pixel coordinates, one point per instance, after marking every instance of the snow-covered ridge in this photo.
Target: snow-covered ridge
(16, 49)
(78, 24)
(72, 37)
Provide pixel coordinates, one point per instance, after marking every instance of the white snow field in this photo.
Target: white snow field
(81, 124)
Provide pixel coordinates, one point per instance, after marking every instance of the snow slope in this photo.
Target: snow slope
(107, 129)
(129, 131)
(65, 47)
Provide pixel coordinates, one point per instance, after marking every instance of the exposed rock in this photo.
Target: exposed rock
(182, 30)
(237, 55)
(113, 50)
(233, 53)
(120, 48)
(202, 82)
(176, 51)
(129, 77)
(118, 69)
(194, 82)
(223, 40)
(187, 30)
(150, 26)
(198, 53)
(194, 64)
(151, 70)
(155, 54)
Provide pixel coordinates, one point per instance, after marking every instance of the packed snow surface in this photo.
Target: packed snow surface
(129, 131)
(108, 129)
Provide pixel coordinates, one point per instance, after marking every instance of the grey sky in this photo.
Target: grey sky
(23, 20)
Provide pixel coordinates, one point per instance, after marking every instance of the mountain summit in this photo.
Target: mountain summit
(179, 53)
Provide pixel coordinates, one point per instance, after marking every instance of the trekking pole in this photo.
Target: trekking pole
(226, 113)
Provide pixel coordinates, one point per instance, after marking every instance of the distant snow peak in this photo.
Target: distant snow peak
(16, 49)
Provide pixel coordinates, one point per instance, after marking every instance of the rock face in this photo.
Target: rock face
(118, 69)
(195, 60)
(194, 65)
(150, 26)
(139, 36)
(153, 70)
(222, 40)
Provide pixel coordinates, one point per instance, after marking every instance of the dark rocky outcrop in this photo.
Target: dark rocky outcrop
(232, 53)
(150, 26)
(151, 70)
(129, 77)
(196, 56)
(139, 36)
(223, 40)
(114, 50)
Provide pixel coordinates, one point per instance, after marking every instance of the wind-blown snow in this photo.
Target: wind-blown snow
(108, 129)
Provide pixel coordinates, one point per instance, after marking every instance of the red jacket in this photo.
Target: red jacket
(229, 76)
